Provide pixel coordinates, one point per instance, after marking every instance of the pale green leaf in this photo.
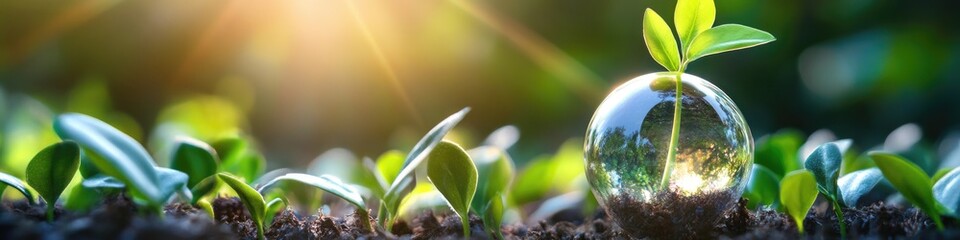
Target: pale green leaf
(389, 165)
(725, 38)
(856, 184)
(798, 191)
(763, 188)
(119, 155)
(12, 181)
(692, 17)
(251, 199)
(660, 41)
(327, 183)
(947, 191)
(453, 173)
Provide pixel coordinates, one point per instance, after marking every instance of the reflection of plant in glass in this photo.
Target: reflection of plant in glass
(693, 20)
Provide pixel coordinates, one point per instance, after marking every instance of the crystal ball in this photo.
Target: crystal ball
(627, 146)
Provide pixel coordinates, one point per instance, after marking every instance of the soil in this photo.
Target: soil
(117, 218)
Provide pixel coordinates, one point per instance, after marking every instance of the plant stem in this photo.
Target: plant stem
(260, 231)
(50, 209)
(365, 220)
(938, 222)
(674, 135)
(840, 220)
(465, 221)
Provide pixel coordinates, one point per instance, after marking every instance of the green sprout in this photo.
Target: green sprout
(329, 184)
(825, 163)
(199, 161)
(51, 170)
(798, 191)
(113, 159)
(693, 20)
(251, 199)
(912, 182)
(495, 172)
(452, 171)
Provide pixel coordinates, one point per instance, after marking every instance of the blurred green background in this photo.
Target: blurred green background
(306, 76)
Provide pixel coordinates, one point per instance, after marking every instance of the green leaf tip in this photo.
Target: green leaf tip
(691, 18)
(798, 191)
(725, 38)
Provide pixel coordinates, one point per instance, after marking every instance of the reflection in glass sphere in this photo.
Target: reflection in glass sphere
(628, 139)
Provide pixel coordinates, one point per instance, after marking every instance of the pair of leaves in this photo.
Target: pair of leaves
(417, 155)
(117, 155)
(327, 183)
(694, 21)
(452, 171)
(911, 182)
(50, 171)
(798, 191)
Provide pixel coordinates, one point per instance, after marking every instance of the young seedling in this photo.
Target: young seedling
(199, 161)
(763, 188)
(912, 182)
(116, 155)
(452, 171)
(947, 192)
(495, 173)
(693, 20)
(329, 184)
(9, 180)
(798, 191)
(250, 198)
(825, 163)
(51, 170)
(393, 194)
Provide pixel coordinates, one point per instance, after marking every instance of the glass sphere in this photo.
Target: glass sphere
(627, 143)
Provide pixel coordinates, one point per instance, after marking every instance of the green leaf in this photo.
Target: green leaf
(910, 181)
(725, 38)
(82, 198)
(369, 177)
(493, 216)
(204, 187)
(532, 184)
(206, 207)
(173, 182)
(51, 170)
(417, 155)
(692, 17)
(495, 172)
(389, 165)
(798, 191)
(452, 171)
(117, 154)
(251, 199)
(16, 184)
(825, 163)
(856, 184)
(239, 158)
(195, 158)
(763, 188)
(660, 41)
(947, 191)
(274, 207)
(327, 183)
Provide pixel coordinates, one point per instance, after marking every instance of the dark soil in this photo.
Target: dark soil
(117, 218)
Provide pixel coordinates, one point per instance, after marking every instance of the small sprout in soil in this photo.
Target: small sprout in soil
(798, 191)
(452, 171)
(9, 180)
(51, 170)
(825, 163)
(947, 192)
(495, 172)
(393, 195)
(251, 199)
(117, 155)
(912, 182)
(199, 161)
(329, 184)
